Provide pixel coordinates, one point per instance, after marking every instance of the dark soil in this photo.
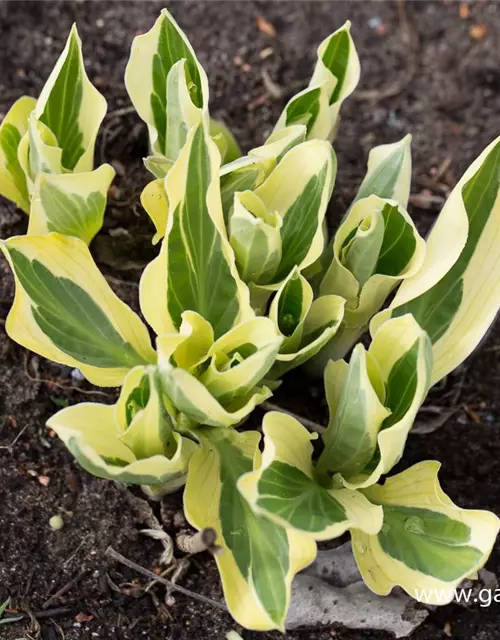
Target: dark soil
(445, 88)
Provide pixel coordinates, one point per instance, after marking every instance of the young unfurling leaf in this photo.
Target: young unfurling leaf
(195, 270)
(335, 77)
(12, 177)
(388, 174)
(307, 324)
(167, 85)
(219, 382)
(373, 402)
(291, 201)
(72, 108)
(375, 248)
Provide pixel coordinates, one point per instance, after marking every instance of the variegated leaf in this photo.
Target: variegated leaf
(225, 141)
(65, 310)
(104, 449)
(12, 177)
(254, 234)
(159, 166)
(152, 58)
(249, 172)
(141, 417)
(72, 204)
(258, 559)
(374, 249)
(373, 402)
(357, 412)
(72, 108)
(285, 490)
(335, 77)
(455, 296)
(38, 152)
(243, 174)
(388, 174)
(195, 270)
(308, 108)
(182, 113)
(305, 324)
(155, 202)
(299, 190)
(337, 71)
(216, 383)
(427, 545)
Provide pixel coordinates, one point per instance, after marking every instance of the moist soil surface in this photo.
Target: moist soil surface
(428, 68)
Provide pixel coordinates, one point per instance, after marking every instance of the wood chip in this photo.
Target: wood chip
(472, 414)
(83, 617)
(266, 27)
(478, 32)
(463, 10)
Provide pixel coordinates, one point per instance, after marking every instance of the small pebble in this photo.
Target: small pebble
(374, 22)
(56, 522)
(463, 10)
(77, 375)
(266, 27)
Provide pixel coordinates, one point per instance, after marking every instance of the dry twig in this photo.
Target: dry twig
(110, 552)
(64, 589)
(13, 443)
(65, 387)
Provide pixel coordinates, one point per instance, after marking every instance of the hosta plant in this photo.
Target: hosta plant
(246, 286)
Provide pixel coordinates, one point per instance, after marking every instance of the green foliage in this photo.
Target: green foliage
(246, 286)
